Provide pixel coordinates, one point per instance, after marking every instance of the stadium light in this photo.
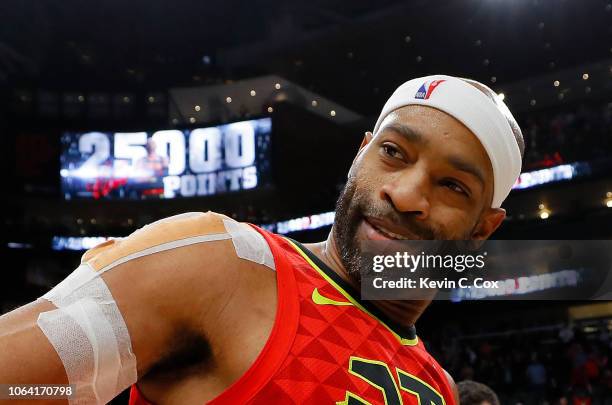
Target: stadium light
(543, 212)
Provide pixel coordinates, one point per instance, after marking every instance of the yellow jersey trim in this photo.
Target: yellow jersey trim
(403, 341)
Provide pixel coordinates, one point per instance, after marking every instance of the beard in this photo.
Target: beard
(353, 205)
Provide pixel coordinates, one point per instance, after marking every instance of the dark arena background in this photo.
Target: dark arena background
(103, 106)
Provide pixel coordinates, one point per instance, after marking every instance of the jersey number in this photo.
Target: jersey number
(379, 375)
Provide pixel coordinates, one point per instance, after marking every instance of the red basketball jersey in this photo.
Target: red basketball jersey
(329, 347)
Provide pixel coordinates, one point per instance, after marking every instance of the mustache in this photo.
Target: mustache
(403, 220)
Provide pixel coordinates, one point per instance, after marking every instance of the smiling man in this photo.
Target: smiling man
(200, 308)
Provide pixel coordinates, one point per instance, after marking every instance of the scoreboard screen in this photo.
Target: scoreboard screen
(167, 163)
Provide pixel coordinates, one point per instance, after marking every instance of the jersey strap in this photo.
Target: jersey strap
(283, 332)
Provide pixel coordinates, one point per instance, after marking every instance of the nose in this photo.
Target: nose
(409, 192)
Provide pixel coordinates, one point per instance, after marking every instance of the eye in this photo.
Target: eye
(391, 151)
(454, 186)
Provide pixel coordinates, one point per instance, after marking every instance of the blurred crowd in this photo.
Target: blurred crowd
(581, 133)
(556, 365)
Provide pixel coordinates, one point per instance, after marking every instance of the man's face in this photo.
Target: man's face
(151, 147)
(423, 176)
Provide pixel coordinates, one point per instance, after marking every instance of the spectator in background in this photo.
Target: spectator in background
(475, 393)
(537, 378)
(566, 334)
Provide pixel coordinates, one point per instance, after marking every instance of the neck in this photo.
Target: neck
(404, 313)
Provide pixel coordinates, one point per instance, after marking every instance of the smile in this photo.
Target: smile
(378, 232)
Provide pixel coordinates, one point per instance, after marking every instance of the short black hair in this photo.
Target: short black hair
(475, 393)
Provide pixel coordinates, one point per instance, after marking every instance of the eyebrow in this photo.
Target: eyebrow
(415, 136)
(465, 166)
(407, 132)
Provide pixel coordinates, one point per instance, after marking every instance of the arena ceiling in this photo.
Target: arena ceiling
(351, 51)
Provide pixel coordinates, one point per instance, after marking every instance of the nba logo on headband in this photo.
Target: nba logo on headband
(427, 89)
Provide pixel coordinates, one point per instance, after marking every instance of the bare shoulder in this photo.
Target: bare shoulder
(159, 236)
(178, 271)
(194, 229)
(187, 275)
(179, 253)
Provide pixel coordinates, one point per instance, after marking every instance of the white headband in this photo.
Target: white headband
(487, 120)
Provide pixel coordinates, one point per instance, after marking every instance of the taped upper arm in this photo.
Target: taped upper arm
(178, 231)
(131, 296)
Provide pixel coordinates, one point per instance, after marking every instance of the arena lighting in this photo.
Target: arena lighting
(277, 86)
(270, 109)
(192, 120)
(520, 285)
(306, 223)
(197, 108)
(554, 174)
(314, 103)
(332, 113)
(556, 83)
(228, 100)
(253, 93)
(310, 222)
(18, 245)
(501, 96)
(585, 76)
(78, 242)
(532, 102)
(543, 212)
(608, 200)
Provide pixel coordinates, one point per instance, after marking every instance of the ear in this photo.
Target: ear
(364, 142)
(366, 139)
(490, 220)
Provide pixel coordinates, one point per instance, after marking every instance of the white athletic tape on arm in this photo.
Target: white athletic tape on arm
(249, 243)
(488, 120)
(168, 246)
(90, 337)
(88, 331)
